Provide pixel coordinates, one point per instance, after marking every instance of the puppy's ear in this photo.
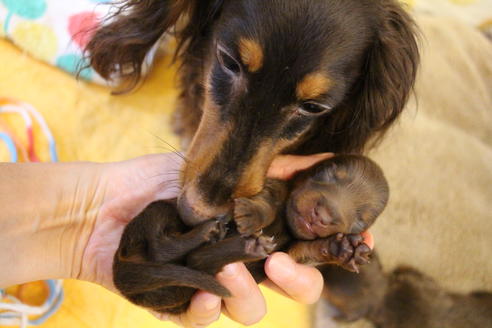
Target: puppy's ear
(386, 80)
(117, 49)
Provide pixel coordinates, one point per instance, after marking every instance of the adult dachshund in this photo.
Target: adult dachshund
(261, 78)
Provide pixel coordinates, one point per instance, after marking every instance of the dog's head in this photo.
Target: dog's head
(278, 76)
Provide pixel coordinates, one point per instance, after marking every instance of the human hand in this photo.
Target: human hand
(86, 206)
(129, 186)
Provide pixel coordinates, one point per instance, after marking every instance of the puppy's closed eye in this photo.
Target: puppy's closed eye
(358, 226)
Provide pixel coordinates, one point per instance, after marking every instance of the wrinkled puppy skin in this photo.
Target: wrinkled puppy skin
(161, 262)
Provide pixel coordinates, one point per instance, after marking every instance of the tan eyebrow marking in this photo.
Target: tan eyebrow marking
(313, 85)
(251, 54)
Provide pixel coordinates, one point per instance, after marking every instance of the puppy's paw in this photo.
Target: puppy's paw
(248, 216)
(348, 251)
(215, 230)
(259, 247)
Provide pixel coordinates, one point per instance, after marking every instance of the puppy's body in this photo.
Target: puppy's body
(404, 298)
(161, 262)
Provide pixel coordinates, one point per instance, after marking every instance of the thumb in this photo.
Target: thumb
(285, 167)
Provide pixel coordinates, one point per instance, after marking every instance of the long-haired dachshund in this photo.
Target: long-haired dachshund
(265, 77)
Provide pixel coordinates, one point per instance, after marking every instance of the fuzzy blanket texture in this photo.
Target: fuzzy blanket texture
(438, 161)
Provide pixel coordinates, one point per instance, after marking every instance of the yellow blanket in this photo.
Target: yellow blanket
(439, 162)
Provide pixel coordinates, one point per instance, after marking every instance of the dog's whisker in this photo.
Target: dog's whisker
(168, 144)
(167, 174)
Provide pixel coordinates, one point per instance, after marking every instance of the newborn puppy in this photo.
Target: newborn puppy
(161, 262)
(341, 198)
(404, 298)
(344, 194)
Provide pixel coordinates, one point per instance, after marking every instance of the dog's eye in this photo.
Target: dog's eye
(228, 62)
(310, 108)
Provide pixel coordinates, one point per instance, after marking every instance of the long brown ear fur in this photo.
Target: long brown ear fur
(118, 48)
(386, 81)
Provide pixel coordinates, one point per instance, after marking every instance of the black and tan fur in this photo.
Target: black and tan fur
(265, 77)
(260, 78)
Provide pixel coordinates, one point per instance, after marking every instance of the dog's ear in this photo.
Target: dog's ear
(386, 80)
(118, 49)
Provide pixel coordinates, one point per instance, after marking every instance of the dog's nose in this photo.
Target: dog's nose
(187, 213)
(193, 210)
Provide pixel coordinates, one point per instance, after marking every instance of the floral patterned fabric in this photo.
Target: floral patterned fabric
(56, 31)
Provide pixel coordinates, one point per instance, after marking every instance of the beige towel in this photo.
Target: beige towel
(439, 164)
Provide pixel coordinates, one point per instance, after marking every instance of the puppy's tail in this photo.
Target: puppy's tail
(135, 278)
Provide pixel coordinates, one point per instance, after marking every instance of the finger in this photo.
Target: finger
(161, 316)
(285, 166)
(368, 239)
(247, 304)
(271, 285)
(204, 309)
(300, 282)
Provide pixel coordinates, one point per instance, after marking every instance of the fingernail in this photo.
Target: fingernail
(283, 267)
(160, 316)
(212, 303)
(229, 271)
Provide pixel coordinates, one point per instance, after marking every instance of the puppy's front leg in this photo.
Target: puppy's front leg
(148, 267)
(347, 251)
(211, 258)
(158, 235)
(255, 213)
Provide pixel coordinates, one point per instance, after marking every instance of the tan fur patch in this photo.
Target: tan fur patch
(251, 54)
(251, 181)
(313, 85)
(206, 144)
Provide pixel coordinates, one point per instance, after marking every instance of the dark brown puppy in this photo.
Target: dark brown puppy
(161, 262)
(404, 298)
(264, 77)
(343, 195)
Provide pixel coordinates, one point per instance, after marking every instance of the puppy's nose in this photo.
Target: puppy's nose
(322, 216)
